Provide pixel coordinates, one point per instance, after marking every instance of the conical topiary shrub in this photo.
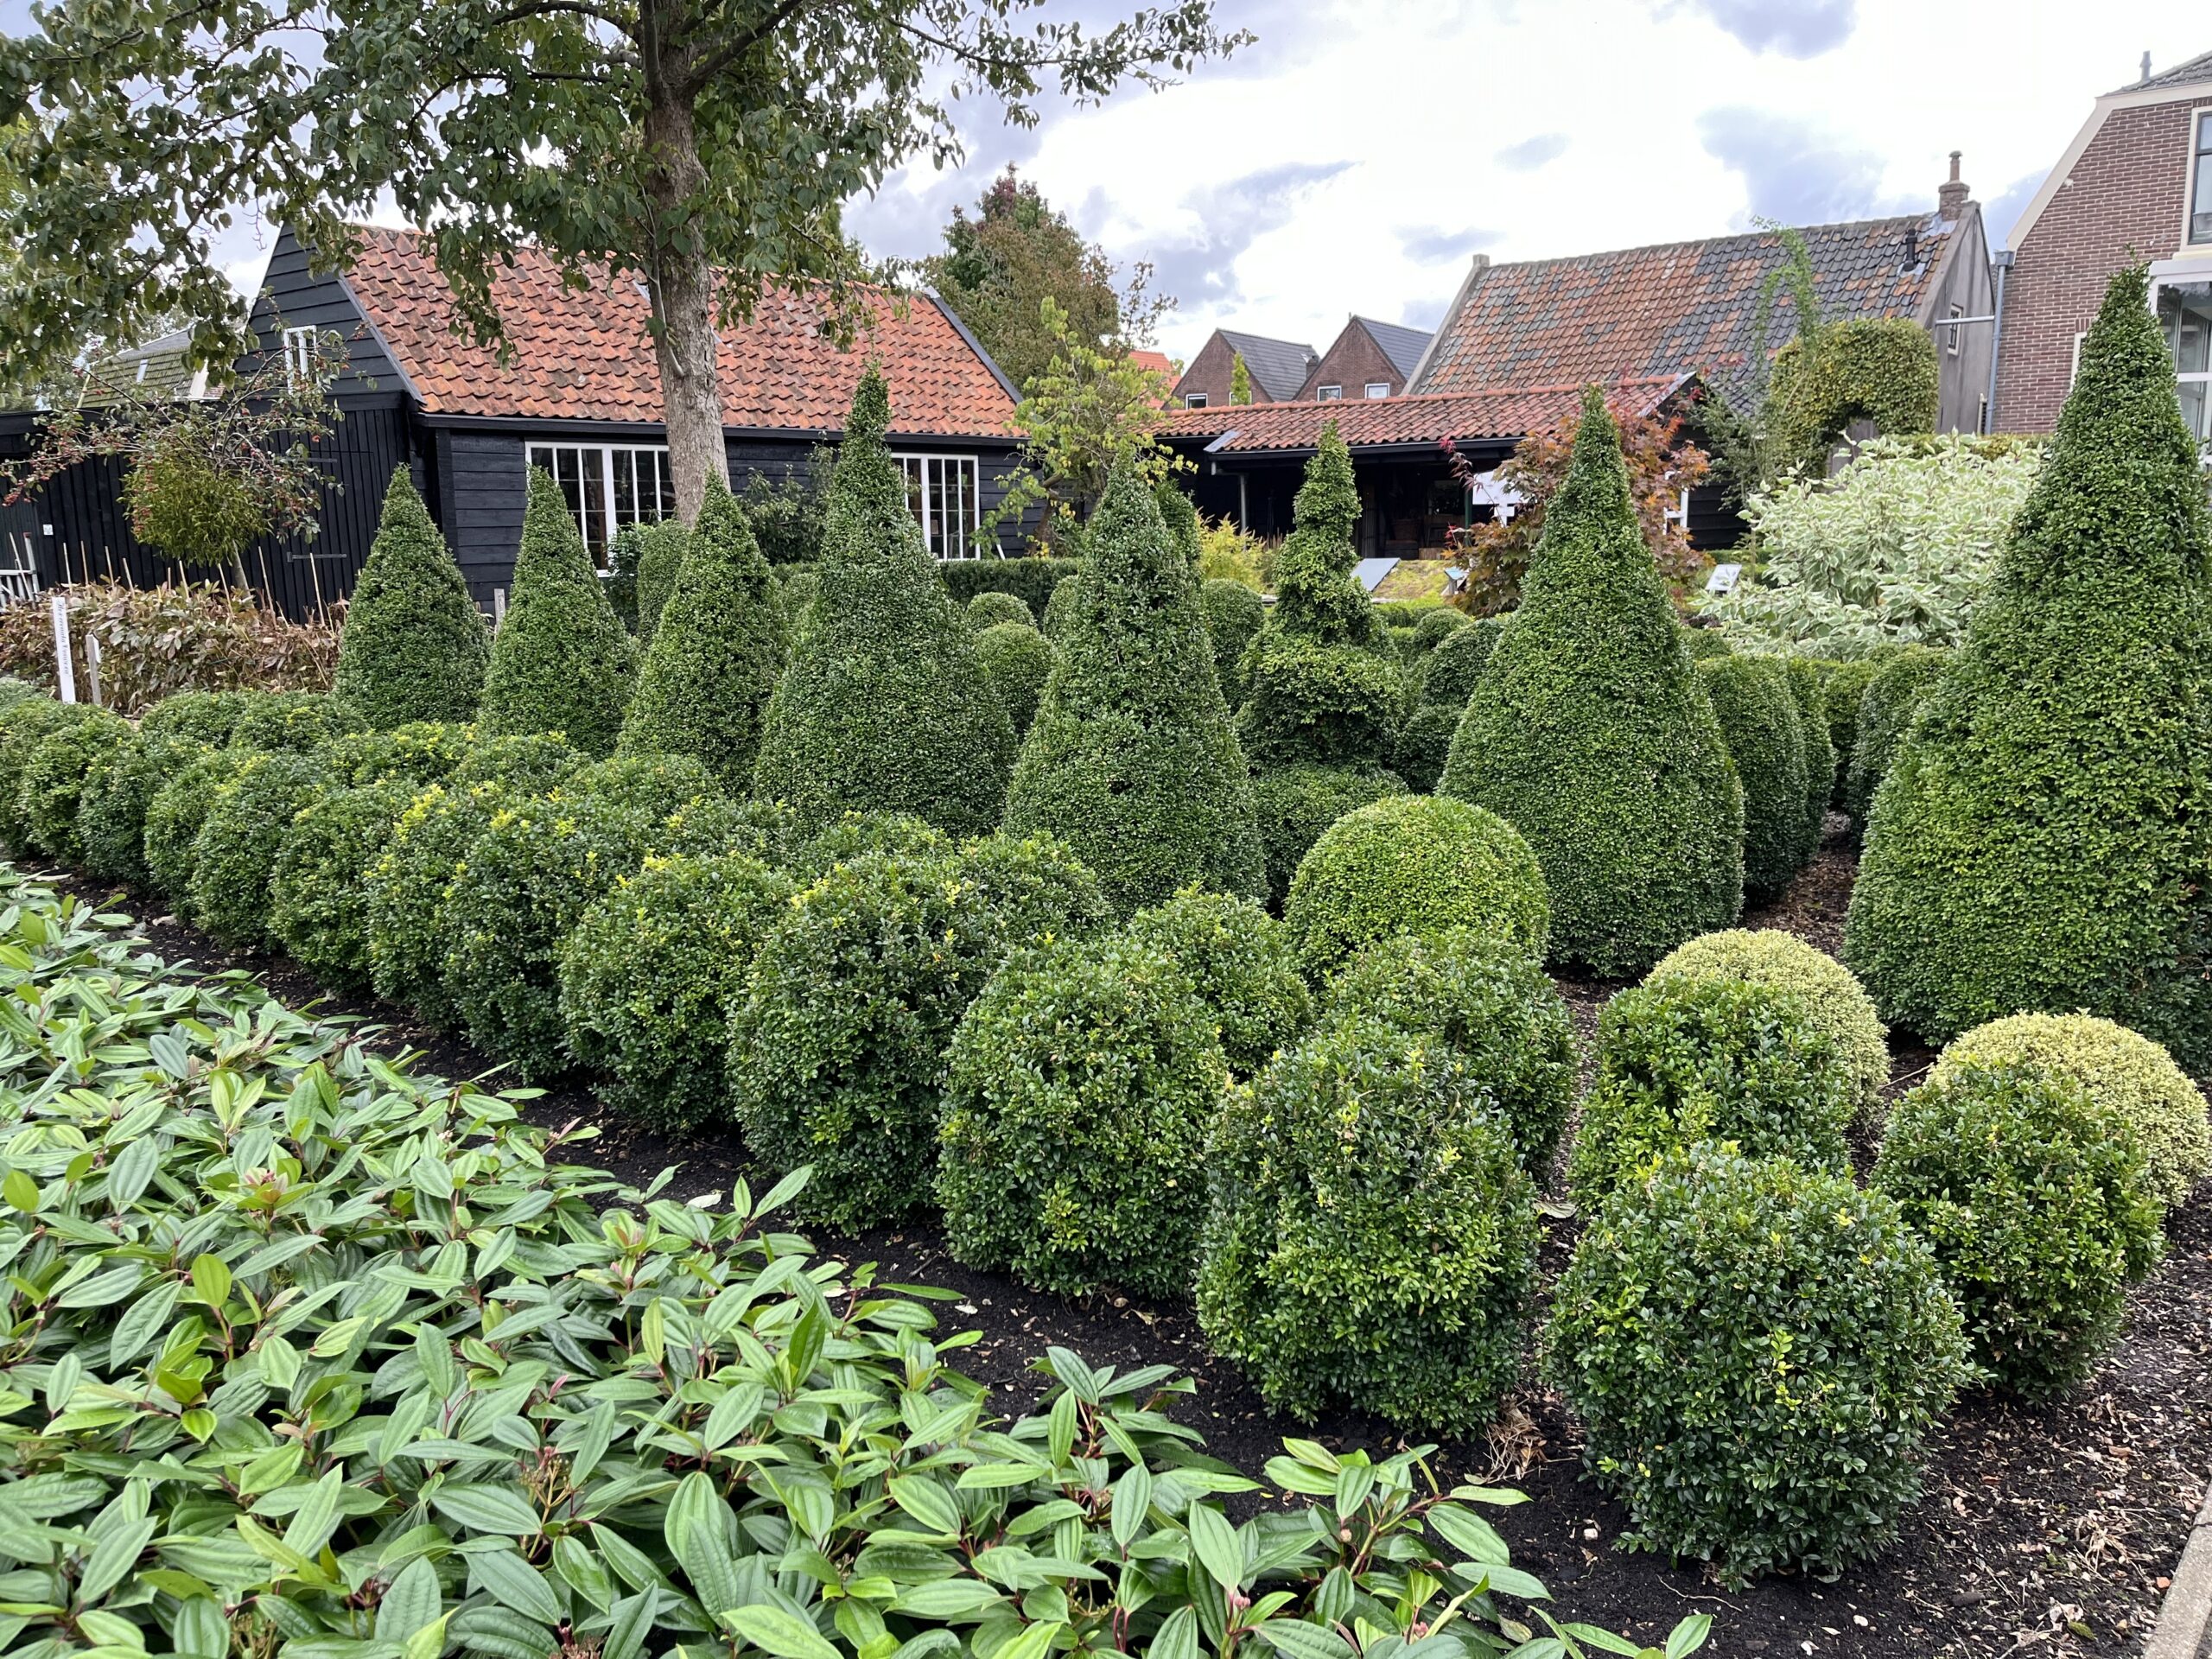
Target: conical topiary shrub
(884, 706)
(707, 675)
(1760, 726)
(2041, 840)
(1590, 733)
(1132, 759)
(562, 662)
(414, 646)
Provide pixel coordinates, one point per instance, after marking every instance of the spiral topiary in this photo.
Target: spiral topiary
(1240, 959)
(414, 644)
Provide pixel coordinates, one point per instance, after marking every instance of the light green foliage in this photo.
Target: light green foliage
(1018, 660)
(663, 547)
(24, 725)
(1590, 734)
(1759, 727)
(1371, 1238)
(854, 835)
(1686, 1061)
(318, 890)
(2034, 1198)
(414, 646)
(1413, 864)
(52, 782)
(1810, 697)
(1240, 960)
(1295, 803)
(206, 717)
(885, 704)
(1228, 554)
(1080, 1088)
(1234, 615)
(561, 661)
(175, 814)
(1132, 760)
(1756, 1351)
(291, 722)
(530, 764)
(1454, 667)
(992, 607)
(407, 884)
(423, 751)
(1892, 694)
(235, 851)
(1240, 380)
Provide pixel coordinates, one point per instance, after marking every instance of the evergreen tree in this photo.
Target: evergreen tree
(1132, 760)
(562, 662)
(886, 706)
(1240, 381)
(1590, 733)
(707, 675)
(2042, 838)
(414, 646)
(1759, 727)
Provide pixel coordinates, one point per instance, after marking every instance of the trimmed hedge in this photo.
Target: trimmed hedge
(991, 608)
(53, 783)
(1591, 734)
(1239, 958)
(291, 723)
(318, 890)
(1234, 616)
(1760, 729)
(1018, 660)
(414, 646)
(1756, 1351)
(406, 890)
(1295, 804)
(1371, 1237)
(24, 725)
(206, 717)
(1032, 581)
(1842, 685)
(234, 854)
(174, 817)
(118, 786)
(1892, 695)
(1808, 693)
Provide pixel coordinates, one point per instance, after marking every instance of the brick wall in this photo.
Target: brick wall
(1210, 372)
(2122, 203)
(1350, 362)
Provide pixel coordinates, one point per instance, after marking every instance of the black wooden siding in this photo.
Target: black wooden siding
(294, 296)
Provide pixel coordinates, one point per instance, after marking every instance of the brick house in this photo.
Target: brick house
(2136, 183)
(1367, 359)
(1277, 368)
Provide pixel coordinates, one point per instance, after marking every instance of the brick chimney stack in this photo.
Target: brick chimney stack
(1951, 199)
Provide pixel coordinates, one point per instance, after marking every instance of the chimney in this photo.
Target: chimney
(1951, 197)
(1911, 247)
(2146, 75)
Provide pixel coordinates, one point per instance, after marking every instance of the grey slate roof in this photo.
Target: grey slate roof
(1277, 367)
(2196, 69)
(1402, 346)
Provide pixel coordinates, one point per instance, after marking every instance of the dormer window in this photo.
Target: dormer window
(1194, 400)
(1327, 394)
(1378, 389)
(2200, 204)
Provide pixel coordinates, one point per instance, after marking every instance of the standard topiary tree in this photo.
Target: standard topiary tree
(1018, 660)
(2042, 838)
(1590, 733)
(885, 705)
(414, 644)
(1892, 695)
(1808, 693)
(561, 661)
(1132, 760)
(1240, 959)
(1758, 724)
(707, 676)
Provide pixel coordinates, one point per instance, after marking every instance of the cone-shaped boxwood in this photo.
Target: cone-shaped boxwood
(318, 891)
(235, 851)
(1295, 804)
(561, 661)
(1057, 607)
(1132, 760)
(1451, 671)
(885, 704)
(1892, 694)
(1080, 1088)
(1233, 617)
(1590, 733)
(1018, 660)
(52, 782)
(1759, 726)
(1371, 1240)
(2041, 838)
(662, 550)
(1240, 959)
(1808, 693)
(414, 646)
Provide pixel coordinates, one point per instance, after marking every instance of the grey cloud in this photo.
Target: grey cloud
(1425, 313)
(1199, 269)
(1442, 247)
(1532, 153)
(1795, 28)
(1793, 171)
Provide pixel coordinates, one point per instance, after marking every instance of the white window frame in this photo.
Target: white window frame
(1951, 334)
(2174, 277)
(1378, 389)
(1194, 400)
(612, 523)
(2200, 151)
(1328, 394)
(299, 355)
(915, 467)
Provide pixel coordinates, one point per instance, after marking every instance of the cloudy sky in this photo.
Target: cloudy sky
(1357, 155)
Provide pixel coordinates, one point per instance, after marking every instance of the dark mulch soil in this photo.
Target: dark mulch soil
(2042, 1531)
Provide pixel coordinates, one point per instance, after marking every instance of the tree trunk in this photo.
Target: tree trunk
(682, 283)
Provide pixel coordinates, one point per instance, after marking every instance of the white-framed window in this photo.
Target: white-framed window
(1951, 335)
(610, 486)
(2184, 313)
(942, 491)
(299, 355)
(1378, 389)
(1194, 400)
(2200, 184)
(1327, 394)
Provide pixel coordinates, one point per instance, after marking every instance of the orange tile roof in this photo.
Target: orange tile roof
(585, 354)
(1492, 412)
(1157, 362)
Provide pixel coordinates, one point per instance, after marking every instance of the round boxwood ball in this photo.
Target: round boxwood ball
(1018, 660)
(24, 725)
(855, 834)
(422, 752)
(1240, 959)
(118, 786)
(993, 609)
(318, 891)
(407, 886)
(1438, 625)
(235, 853)
(292, 721)
(1756, 1351)
(174, 819)
(200, 716)
(53, 778)
(1295, 803)
(1413, 864)
(529, 763)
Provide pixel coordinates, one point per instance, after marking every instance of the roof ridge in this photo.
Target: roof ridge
(1732, 236)
(1616, 383)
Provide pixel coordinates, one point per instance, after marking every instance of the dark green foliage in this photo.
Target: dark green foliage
(854, 835)
(561, 661)
(318, 891)
(24, 726)
(649, 977)
(406, 893)
(708, 674)
(991, 607)
(1760, 728)
(1295, 804)
(291, 723)
(53, 781)
(198, 716)
(1756, 1351)
(1018, 660)
(119, 785)
(14, 690)
(2034, 1198)
(174, 816)
(1234, 616)
(1885, 709)
(1080, 1087)
(414, 646)
(1705, 644)
(663, 547)
(1591, 734)
(423, 751)
(623, 556)
(1842, 685)
(1413, 864)
(1062, 600)
(1810, 697)
(1492, 1004)
(1684, 1061)
(789, 512)
(1315, 595)
(1450, 673)
(885, 704)
(530, 764)
(235, 851)
(1032, 581)
(1435, 625)
(837, 1051)
(1180, 515)
(1132, 760)
(795, 590)
(1424, 746)
(1239, 958)
(1371, 1238)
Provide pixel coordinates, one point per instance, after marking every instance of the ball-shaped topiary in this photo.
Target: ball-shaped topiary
(1437, 625)
(1080, 1087)
(25, 725)
(1491, 1003)
(1413, 864)
(1807, 690)
(1759, 727)
(53, 783)
(991, 609)
(1234, 616)
(2127, 1075)
(855, 834)
(885, 704)
(319, 889)
(530, 764)
(407, 884)
(118, 786)
(1842, 685)
(1591, 734)
(1685, 1061)
(649, 974)
(1132, 760)
(1240, 960)
(1295, 804)
(175, 815)
(235, 851)
(1057, 607)
(1018, 660)
(1450, 673)
(422, 752)
(1371, 1240)
(1756, 1351)
(662, 550)
(1834, 1002)
(197, 716)
(1892, 695)
(414, 644)
(561, 661)
(291, 723)
(2034, 1198)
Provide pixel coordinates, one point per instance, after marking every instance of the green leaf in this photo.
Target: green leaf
(488, 1508)
(927, 1501)
(411, 1601)
(515, 1584)
(696, 1533)
(1132, 1499)
(140, 1323)
(211, 1279)
(21, 1191)
(1470, 1534)
(626, 1632)
(316, 1518)
(946, 1598)
(1604, 1640)
(115, 1554)
(1178, 1637)
(782, 1634)
(1034, 1641)
(133, 1170)
(1220, 1551)
(1689, 1635)
(1294, 1640)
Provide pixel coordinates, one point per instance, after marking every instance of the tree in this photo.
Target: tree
(704, 149)
(413, 646)
(2041, 840)
(1240, 380)
(998, 269)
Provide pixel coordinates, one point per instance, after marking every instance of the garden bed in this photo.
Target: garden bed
(2042, 1531)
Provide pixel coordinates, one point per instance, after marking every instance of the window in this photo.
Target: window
(941, 490)
(2185, 311)
(1327, 394)
(609, 487)
(1951, 335)
(299, 355)
(2074, 369)
(2199, 204)
(1194, 400)
(1378, 388)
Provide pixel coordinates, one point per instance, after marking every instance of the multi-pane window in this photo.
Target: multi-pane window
(609, 486)
(942, 491)
(2185, 317)
(299, 356)
(2200, 206)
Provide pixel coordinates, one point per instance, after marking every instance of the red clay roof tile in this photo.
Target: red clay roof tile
(1492, 412)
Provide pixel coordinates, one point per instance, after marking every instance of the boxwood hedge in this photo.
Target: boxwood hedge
(319, 889)
(235, 851)
(53, 783)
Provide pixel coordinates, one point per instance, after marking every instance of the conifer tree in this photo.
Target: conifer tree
(707, 675)
(2041, 840)
(1132, 759)
(561, 661)
(1240, 380)
(414, 646)
(1590, 733)
(886, 706)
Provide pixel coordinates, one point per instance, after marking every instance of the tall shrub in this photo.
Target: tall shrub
(1759, 725)
(1891, 695)
(1809, 694)
(414, 646)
